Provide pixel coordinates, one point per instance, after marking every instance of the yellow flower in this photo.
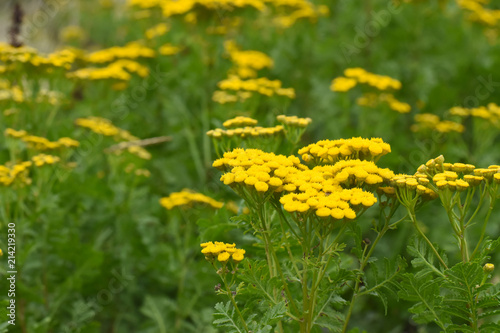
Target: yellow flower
(342, 84)
(223, 257)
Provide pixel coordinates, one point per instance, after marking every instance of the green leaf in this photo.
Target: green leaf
(154, 308)
(424, 292)
(383, 284)
(424, 257)
(226, 317)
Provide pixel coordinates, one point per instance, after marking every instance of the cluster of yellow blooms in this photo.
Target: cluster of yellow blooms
(239, 121)
(223, 97)
(405, 185)
(491, 112)
(356, 173)
(246, 132)
(169, 49)
(186, 197)
(132, 50)
(118, 70)
(294, 121)
(257, 169)
(247, 63)
(479, 13)
(222, 251)
(353, 76)
(63, 58)
(261, 85)
(339, 204)
(436, 175)
(450, 172)
(105, 127)
(330, 151)
(429, 121)
(318, 189)
(300, 8)
(304, 10)
(372, 100)
(41, 143)
(157, 30)
(15, 174)
(42, 159)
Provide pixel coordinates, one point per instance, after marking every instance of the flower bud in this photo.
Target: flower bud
(488, 268)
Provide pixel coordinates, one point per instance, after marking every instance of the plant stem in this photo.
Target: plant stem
(230, 294)
(413, 218)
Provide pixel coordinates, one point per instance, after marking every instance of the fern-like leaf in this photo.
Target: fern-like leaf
(382, 283)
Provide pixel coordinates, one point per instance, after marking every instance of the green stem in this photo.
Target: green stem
(230, 294)
(483, 229)
(415, 223)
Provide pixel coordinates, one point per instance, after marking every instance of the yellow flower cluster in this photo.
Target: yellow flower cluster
(339, 204)
(429, 121)
(479, 13)
(257, 170)
(15, 174)
(186, 197)
(132, 50)
(177, 7)
(342, 84)
(294, 121)
(353, 76)
(157, 30)
(261, 85)
(105, 127)
(356, 173)
(41, 143)
(407, 184)
(169, 49)
(239, 122)
(304, 9)
(42, 159)
(222, 251)
(491, 112)
(118, 70)
(247, 62)
(222, 97)
(457, 176)
(98, 125)
(330, 151)
(245, 132)
(373, 100)
(63, 58)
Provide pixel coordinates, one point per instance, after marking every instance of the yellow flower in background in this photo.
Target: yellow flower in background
(169, 49)
(187, 198)
(294, 121)
(157, 30)
(239, 122)
(342, 84)
(42, 159)
(132, 50)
